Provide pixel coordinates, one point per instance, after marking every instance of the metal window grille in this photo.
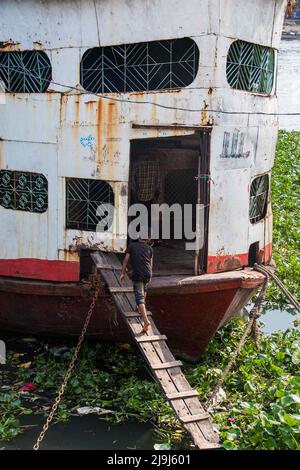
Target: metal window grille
(88, 203)
(258, 198)
(146, 66)
(25, 71)
(250, 67)
(23, 191)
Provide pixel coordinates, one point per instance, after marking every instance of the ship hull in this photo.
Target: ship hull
(188, 310)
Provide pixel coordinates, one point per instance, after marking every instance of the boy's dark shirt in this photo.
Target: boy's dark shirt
(140, 257)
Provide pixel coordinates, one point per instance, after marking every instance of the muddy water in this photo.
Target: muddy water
(83, 433)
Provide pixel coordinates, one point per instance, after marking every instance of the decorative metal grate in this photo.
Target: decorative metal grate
(258, 198)
(145, 66)
(25, 71)
(88, 203)
(250, 67)
(23, 191)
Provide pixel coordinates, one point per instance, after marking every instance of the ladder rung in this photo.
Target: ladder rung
(121, 290)
(146, 339)
(210, 446)
(194, 418)
(135, 314)
(187, 394)
(109, 267)
(166, 365)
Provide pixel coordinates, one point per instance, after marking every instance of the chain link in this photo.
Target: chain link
(96, 287)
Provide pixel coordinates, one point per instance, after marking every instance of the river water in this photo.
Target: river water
(288, 84)
(89, 432)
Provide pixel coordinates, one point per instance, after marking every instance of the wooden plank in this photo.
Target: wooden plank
(166, 365)
(134, 314)
(160, 350)
(100, 268)
(192, 405)
(193, 418)
(171, 380)
(186, 394)
(166, 381)
(121, 289)
(149, 339)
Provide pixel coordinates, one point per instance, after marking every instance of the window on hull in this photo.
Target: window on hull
(90, 204)
(25, 71)
(23, 191)
(250, 67)
(145, 66)
(259, 198)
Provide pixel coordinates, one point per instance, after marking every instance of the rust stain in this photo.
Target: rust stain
(1, 154)
(10, 45)
(154, 111)
(99, 132)
(204, 116)
(38, 45)
(138, 94)
(69, 255)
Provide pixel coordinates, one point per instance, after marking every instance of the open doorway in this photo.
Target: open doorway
(173, 170)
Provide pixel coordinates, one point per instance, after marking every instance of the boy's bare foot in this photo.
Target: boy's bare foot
(145, 327)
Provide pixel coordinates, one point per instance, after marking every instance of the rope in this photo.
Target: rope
(251, 325)
(268, 272)
(57, 400)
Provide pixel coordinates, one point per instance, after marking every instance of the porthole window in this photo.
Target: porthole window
(145, 66)
(23, 191)
(250, 67)
(25, 71)
(90, 204)
(259, 198)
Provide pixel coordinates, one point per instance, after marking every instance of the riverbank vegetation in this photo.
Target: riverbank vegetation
(261, 399)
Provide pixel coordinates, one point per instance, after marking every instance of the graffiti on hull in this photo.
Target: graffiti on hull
(233, 145)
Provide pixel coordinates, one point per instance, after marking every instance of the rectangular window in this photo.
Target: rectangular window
(90, 204)
(23, 191)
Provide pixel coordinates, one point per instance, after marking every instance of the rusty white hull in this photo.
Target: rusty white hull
(67, 132)
(43, 132)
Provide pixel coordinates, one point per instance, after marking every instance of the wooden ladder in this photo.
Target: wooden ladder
(153, 346)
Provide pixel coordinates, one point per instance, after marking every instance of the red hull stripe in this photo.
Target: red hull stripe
(68, 271)
(217, 264)
(48, 270)
(230, 262)
(268, 253)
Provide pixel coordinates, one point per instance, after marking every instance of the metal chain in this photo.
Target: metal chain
(253, 316)
(96, 286)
